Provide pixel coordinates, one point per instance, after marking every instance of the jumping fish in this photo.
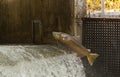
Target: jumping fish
(75, 45)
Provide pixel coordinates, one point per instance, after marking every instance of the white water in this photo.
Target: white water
(38, 61)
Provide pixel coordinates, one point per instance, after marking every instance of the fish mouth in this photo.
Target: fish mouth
(56, 34)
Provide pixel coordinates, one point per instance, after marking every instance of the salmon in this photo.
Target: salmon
(75, 45)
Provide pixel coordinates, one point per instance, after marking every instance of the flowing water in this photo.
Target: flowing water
(38, 61)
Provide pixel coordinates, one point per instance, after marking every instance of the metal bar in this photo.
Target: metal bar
(102, 8)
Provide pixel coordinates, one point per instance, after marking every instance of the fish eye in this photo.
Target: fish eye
(64, 38)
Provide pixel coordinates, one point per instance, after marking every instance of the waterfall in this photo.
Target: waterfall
(38, 61)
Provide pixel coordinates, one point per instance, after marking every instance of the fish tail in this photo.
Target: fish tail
(91, 58)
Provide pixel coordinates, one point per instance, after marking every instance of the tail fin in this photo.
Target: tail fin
(91, 58)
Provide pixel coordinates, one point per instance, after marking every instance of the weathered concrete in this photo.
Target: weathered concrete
(79, 12)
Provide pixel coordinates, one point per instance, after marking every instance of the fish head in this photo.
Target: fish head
(57, 35)
(61, 36)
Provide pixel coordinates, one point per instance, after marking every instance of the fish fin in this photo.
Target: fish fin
(91, 58)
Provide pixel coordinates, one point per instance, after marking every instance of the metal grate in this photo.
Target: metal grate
(102, 35)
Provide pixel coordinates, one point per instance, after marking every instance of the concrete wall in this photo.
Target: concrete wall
(79, 12)
(16, 18)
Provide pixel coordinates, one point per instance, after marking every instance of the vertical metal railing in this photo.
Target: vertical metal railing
(102, 8)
